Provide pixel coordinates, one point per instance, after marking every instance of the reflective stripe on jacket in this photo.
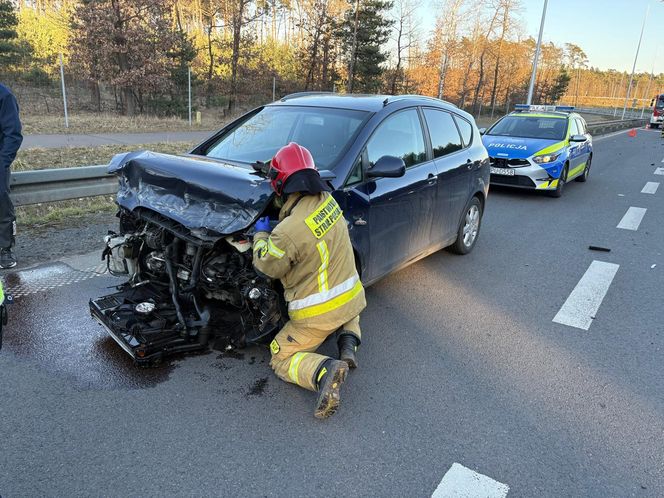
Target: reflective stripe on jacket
(311, 253)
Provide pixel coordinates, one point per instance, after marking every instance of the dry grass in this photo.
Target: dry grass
(112, 123)
(56, 212)
(68, 157)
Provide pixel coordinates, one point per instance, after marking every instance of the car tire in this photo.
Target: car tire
(469, 228)
(561, 184)
(586, 171)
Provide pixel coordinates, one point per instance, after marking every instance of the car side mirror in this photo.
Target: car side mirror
(482, 131)
(577, 138)
(387, 167)
(652, 103)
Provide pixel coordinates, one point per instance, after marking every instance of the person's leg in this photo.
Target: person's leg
(7, 222)
(348, 339)
(293, 357)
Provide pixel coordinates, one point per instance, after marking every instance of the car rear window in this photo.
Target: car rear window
(541, 127)
(324, 131)
(445, 137)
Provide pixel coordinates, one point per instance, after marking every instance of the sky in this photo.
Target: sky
(607, 30)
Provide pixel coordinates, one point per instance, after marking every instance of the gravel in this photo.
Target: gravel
(77, 235)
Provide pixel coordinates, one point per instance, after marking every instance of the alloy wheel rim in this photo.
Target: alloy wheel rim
(471, 226)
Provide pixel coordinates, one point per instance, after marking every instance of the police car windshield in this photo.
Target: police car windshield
(530, 127)
(324, 131)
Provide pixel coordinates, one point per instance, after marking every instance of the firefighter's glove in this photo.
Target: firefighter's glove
(263, 224)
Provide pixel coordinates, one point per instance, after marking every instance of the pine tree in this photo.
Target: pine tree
(362, 34)
(11, 49)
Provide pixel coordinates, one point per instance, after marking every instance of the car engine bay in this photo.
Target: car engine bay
(184, 292)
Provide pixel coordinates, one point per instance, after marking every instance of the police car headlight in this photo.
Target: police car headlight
(547, 158)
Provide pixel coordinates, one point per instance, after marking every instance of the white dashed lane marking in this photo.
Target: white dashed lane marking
(632, 218)
(650, 188)
(460, 482)
(581, 306)
(659, 171)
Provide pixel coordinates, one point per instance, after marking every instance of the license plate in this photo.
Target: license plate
(502, 171)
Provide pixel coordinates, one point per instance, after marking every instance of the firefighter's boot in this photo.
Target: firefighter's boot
(348, 344)
(329, 378)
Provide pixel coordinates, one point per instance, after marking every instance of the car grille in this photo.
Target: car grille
(517, 181)
(500, 162)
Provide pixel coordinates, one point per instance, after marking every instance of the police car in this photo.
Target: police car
(539, 147)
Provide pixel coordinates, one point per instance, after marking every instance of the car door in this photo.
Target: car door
(453, 166)
(575, 150)
(585, 146)
(399, 211)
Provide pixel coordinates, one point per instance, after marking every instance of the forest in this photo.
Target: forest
(136, 56)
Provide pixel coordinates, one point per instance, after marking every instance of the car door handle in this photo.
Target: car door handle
(432, 179)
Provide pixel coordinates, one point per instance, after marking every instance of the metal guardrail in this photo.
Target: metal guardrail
(61, 184)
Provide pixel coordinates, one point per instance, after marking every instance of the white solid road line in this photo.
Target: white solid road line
(659, 171)
(582, 304)
(650, 188)
(460, 482)
(632, 218)
(615, 134)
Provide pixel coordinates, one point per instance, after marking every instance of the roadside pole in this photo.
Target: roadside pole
(274, 88)
(64, 92)
(652, 75)
(189, 88)
(636, 56)
(531, 87)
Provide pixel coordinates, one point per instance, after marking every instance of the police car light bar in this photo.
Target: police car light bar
(544, 108)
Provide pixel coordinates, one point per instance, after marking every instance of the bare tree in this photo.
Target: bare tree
(447, 25)
(404, 32)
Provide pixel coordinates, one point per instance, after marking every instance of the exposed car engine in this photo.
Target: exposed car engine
(185, 291)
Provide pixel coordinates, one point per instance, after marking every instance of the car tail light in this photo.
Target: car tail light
(657, 112)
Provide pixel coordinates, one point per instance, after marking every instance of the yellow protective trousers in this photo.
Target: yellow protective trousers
(293, 356)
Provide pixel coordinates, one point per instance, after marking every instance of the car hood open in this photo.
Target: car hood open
(209, 197)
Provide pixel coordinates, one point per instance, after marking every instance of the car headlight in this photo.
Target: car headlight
(546, 158)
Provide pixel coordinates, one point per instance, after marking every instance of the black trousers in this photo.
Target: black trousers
(7, 214)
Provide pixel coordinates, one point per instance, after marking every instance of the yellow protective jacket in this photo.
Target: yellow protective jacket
(311, 253)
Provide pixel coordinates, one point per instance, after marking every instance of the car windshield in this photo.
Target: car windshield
(530, 127)
(324, 131)
(660, 102)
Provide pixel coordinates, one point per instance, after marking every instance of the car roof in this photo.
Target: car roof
(360, 102)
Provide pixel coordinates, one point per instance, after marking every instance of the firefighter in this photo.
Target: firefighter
(310, 251)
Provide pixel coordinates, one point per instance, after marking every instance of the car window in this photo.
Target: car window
(356, 173)
(324, 131)
(581, 125)
(398, 135)
(525, 126)
(573, 127)
(466, 130)
(445, 137)
(659, 104)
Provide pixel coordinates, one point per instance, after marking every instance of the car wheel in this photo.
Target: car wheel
(586, 171)
(469, 228)
(561, 184)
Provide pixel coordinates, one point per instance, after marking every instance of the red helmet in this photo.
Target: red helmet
(289, 159)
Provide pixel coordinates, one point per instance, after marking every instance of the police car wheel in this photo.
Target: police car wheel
(469, 228)
(586, 172)
(561, 184)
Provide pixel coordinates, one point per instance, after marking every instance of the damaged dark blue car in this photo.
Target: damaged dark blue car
(410, 173)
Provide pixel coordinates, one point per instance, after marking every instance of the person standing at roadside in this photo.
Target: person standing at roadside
(10, 141)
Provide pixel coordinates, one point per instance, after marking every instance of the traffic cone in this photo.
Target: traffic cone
(632, 132)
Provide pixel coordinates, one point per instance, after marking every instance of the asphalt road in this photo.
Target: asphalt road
(461, 365)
